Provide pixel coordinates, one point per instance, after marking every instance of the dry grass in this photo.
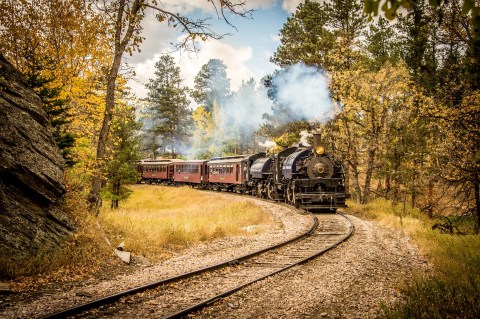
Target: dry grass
(153, 222)
(405, 218)
(454, 289)
(156, 220)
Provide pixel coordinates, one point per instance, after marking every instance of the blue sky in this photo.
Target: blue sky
(246, 52)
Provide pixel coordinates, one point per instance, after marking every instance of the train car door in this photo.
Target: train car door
(244, 171)
(205, 172)
(237, 172)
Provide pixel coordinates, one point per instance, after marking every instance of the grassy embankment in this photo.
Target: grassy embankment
(156, 220)
(153, 222)
(453, 291)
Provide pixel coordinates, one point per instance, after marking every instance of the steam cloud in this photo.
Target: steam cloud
(302, 89)
(305, 91)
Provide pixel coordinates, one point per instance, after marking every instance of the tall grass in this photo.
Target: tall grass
(156, 220)
(453, 291)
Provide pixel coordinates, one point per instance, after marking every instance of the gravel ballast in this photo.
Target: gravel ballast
(351, 281)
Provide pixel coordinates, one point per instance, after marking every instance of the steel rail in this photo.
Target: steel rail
(211, 300)
(114, 297)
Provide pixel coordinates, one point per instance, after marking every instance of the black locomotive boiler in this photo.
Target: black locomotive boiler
(313, 179)
(304, 177)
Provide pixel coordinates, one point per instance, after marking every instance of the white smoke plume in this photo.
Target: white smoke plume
(268, 144)
(304, 90)
(304, 135)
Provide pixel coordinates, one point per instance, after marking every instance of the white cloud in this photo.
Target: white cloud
(158, 37)
(291, 5)
(265, 4)
(187, 6)
(235, 58)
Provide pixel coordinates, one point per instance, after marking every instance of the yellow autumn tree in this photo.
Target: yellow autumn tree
(208, 135)
(59, 45)
(458, 152)
(375, 110)
(203, 125)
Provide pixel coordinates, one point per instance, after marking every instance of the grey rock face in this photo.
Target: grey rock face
(31, 172)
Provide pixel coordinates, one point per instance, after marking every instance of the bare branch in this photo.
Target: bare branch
(194, 28)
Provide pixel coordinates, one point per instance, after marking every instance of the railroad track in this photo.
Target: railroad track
(183, 294)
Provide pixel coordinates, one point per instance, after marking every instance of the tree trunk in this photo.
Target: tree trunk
(476, 188)
(368, 176)
(396, 184)
(120, 46)
(94, 198)
(347, 178)
(387, 186)
(430, 199)
(356, 183)
(116, 192)
(414, 196)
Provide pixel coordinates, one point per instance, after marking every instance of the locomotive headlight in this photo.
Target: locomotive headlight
(319, 150)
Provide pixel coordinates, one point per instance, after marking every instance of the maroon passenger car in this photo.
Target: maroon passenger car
(231, 172)
(191, 172)
(156, 171)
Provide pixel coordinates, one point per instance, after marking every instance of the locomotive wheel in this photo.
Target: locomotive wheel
(259, 190)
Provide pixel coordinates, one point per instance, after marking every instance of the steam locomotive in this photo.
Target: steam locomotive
(306, 177)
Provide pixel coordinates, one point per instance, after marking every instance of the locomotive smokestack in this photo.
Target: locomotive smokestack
(316, 140)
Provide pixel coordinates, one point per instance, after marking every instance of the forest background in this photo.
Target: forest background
(403, 95)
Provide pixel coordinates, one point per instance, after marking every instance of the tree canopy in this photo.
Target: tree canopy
(211, 83)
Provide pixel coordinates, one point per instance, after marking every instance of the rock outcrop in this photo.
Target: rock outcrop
(31, 173)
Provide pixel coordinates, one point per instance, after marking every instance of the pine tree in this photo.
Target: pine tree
(346, 18)
(168, 106)
(125, 30)
(311, 33)
(381, 44)
(121, 168)
(211, 83)
(305, 37)
(418, 35)
(55, 107)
